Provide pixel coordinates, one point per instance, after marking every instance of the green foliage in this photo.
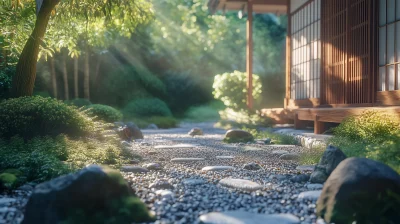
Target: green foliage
(203, 113)
(372, 127)
(6, 75)
(276, 138)
(128, 83)
(78, 102)
(38, 116)
(244, 118)
(8, 180)
(104, 113)
(163, 122)
(311, 156)
(372, 135)
(231, 89)
(146, 107)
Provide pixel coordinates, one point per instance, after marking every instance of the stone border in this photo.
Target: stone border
(307, 140)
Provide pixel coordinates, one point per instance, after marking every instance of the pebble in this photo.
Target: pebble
(279, 152)
(242, 217)
(290, 156)
(217, 168)
(152, 166)
(194, 182)
(161, 184)
(315, 186)
(309, 195)
(134, 169)
(306, 168)
(252, 166)
(165, 194)
(177, 160)
(240, 184)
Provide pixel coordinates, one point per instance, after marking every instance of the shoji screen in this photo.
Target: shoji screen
(306, 51)
(389, 45)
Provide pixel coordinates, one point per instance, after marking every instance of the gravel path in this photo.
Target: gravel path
(187, 202)
(181, 192)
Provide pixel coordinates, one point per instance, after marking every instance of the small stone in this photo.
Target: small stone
(134, 169)
(240, 184)
(161, 184)
(152, 166)
(194, 182)
(300, 178)
(179, 160)
(195, 131)
(134, 161)
(279, 152)
(318, 177)
(306, 168)
(267, 141)
(242, 217)
(152, 126)
(217, 168)
(290, 156)
(145, 144)
(165, 194)
(314, 186)
(309, 195)
(252, 166)
(234, 136)
(225, 157)
(152, 152)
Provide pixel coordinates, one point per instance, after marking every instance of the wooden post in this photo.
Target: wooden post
(249, 54)
(319, 127)
(288, 56)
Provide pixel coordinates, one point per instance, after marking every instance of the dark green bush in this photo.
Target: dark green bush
(129, 83)
(163, 122)
(38, 116)
(6, 75)
(146, 107)
(185, 89)
(78, 102)
(104, 113)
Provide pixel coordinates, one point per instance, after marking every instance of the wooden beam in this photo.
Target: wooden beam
(288, 56)
(249, 54)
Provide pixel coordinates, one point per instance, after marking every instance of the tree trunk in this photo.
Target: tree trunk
(86, 83)
(65, 77)
(76, 77)
(25, 75)
(53, 76)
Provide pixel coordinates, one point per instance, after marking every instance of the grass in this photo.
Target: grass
(276, 138)
(204, 113)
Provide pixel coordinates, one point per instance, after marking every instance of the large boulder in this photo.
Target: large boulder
(233, 136)
(93, 195)
(130, 131)
(329, 161)
(361, 190)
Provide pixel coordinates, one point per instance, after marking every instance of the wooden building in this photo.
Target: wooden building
(343, 57)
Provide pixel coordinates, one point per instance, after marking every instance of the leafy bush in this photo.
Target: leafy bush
(372, 127)
(231, 89)
(275, 137)
(207, 112)
(104, 113)
(185, 89)
(146, 107)
(161, 122)
(43, 158)
(78, 102)
(129, 83)
(246, 118)
(38, 116)
(6, 75)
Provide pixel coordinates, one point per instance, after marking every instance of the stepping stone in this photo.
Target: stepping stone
(152, 166)
(279, 152)
(161, 184)
(251, 148)
(252, 166)
(165, 194)
(315, 186)
(225, 157)
(309, 195)
(134, 169)
(179, 160)
(217, 168)
(193, 182)
(306, 168)
(240, 184)
(242, 217)
(195, 131)
(179, 146)
(290, 156)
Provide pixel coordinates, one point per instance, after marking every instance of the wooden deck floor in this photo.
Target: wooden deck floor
(302, 116)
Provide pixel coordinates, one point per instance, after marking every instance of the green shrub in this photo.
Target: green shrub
(38, 116)
(185, 89)
(387, 152)
(371, 126)
(78, 102)
(6, 75)
(104, 113)
(276, 138)
(163, 122)
(128, 83)
(43, 158)
(246, 118)
(146, 107)
(231, 89)
(207, 112)
(8, 180)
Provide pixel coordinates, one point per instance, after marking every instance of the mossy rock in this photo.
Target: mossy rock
(8, 181)
(236, 136)
(16, 172)
(95, 194)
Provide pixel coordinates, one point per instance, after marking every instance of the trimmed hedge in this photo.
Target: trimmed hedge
(146, 107)
(104, 113)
